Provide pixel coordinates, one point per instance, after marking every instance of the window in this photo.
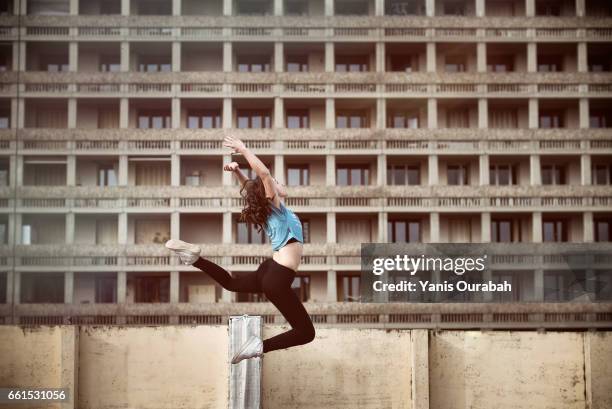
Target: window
(352, 175)
(505, 231)
(454, 8)
(603, 230)
(152, 289)
(550, 63)
(352, 119)
(5, 121)
(296, 8)
(502, 175)
(54, 63)
(458, 118)
(107, 175)
(48, 7)
(154, 8)
(602, 174)
(556, 286)
(297, 63)
(455, 63)
(297, 118)
(351, 7)
(253, 119)
(153, 65)
(551, 119)
(553, 175)
(506, 118)
(153, 120)
(248, 234)
(500, 63)
(109, 7)
(42, 288)
(401, 63)
(399, 119)
(348, 288)
(306, 230)
(3, 233)
(298, 175)
(208, 119)
(5, 8)
(404, 231)
(457, 175)
(352, 63)
(404, 7)
(106, 290)
(598, 63)
(548, 8)
(253, 7)
(301, 287)
(554, 230)
(109, 64)
(600, 119)
(253, 63)
(5, 57)
(402, 175)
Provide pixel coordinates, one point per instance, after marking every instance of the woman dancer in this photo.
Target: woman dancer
(266, 210)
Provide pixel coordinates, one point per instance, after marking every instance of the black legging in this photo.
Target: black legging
(274, 280)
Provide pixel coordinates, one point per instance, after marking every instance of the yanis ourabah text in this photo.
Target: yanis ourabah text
(445, 286)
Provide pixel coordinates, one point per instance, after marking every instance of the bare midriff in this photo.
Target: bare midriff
(289, 255)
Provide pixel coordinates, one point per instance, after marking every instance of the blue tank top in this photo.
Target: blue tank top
(282, 225)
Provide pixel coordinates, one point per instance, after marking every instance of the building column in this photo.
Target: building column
(19, 170)
(583, 65)
(16, 287)
(580, 8)
(480, 8)
(431, 57)
(227, 7)
(380, 57)
(69, 228)
(176, 56)
(535, 170)
(483, 113)
(174, 286)
(226, 236)
(10, 280)
(483, 160)
(536, 227)
(227, 56)
(530, 8)
(432, 170)
(430, 8)
(332, 286)
(175, 225)
(175, 113)
(381, 113)
(121, 287)
(588, 227)
(18, 223)
(532, 57)
(330, 65)
(485, 227)
(381, 170)
(379, 7)
(331, 228)
(538, 285)
(68, 287)
(11, 229)
(124, 113)
(583, 113)
(278, 8)
(227, 113)
(122, 173)
(71, 171)
(585, 169)
(279, 168)
(177, 7)
(72, 113)
(226, 177)
(432, 113)
(125, 56)
(481, 57)
(122, 228)
(383, 218)
(330, 170)
(279, 57)
(329, 8)
(73, 56)
(534, 114)
(279, 113)
(175, 169)
(434, 227)
(330, 113)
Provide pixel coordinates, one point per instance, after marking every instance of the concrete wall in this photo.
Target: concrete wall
(186, 367)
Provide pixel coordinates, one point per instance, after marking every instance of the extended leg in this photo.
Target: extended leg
(244, 283)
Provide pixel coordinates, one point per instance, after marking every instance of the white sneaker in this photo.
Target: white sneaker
(187, 252)
(250, 349)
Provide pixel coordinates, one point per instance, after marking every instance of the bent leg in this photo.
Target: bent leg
(244, 283)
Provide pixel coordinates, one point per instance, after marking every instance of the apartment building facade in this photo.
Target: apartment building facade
(425, 121)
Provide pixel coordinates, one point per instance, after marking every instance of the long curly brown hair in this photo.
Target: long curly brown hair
(257, 207)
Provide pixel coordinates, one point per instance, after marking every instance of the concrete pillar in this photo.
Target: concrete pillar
(124, 113)
(380, 57)
(279, 168)
(588, 227)
(434, 227)
(330, 113)
(583, 65)
(69, 228)
(73, 6)
(125, 56)
(72, 113)
(175, 169)
(176, 113)
(536, 226)
(583, 113)
(121, 287)
(432, 170)
(483, 113)
(483, 162)
(585, 169)
(480, 8)
(379, 7)
(419, 349)
(68, 287)
(330, 64)
(278, 7)
(19, 170)
(431, 57)
(227, 7)
(485, 227)
(18, 222)
(580, 8)
(279, 57)
(71, 170)
(432, 113)
(532, 57)
(329, 7)
(481, 57)
(122, 228)
(11, 230)
(174, 286)
(16, 287)
(331, 228)
(176, 56)
(227, 113)
(228, 57)
(332, 286)
(226, 237)
(530, 8)
(10, 279)
(430, 8)
(381, 170)
(177, 7)
(279, 113)
(123, 170)
(226, 177)
(20, 121)
(175, 225)
(381, 113)
(534, 114)
(535, 170)
(73, 56)
(538, 285)
(330, 170)
(383, 218)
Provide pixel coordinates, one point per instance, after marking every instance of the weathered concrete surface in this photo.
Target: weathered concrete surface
(342, 368)
(506, 370)
(169, 367)
(598, 356)
(39, 357)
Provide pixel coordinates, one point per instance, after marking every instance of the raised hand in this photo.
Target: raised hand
(230, 167)
(234, 143)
